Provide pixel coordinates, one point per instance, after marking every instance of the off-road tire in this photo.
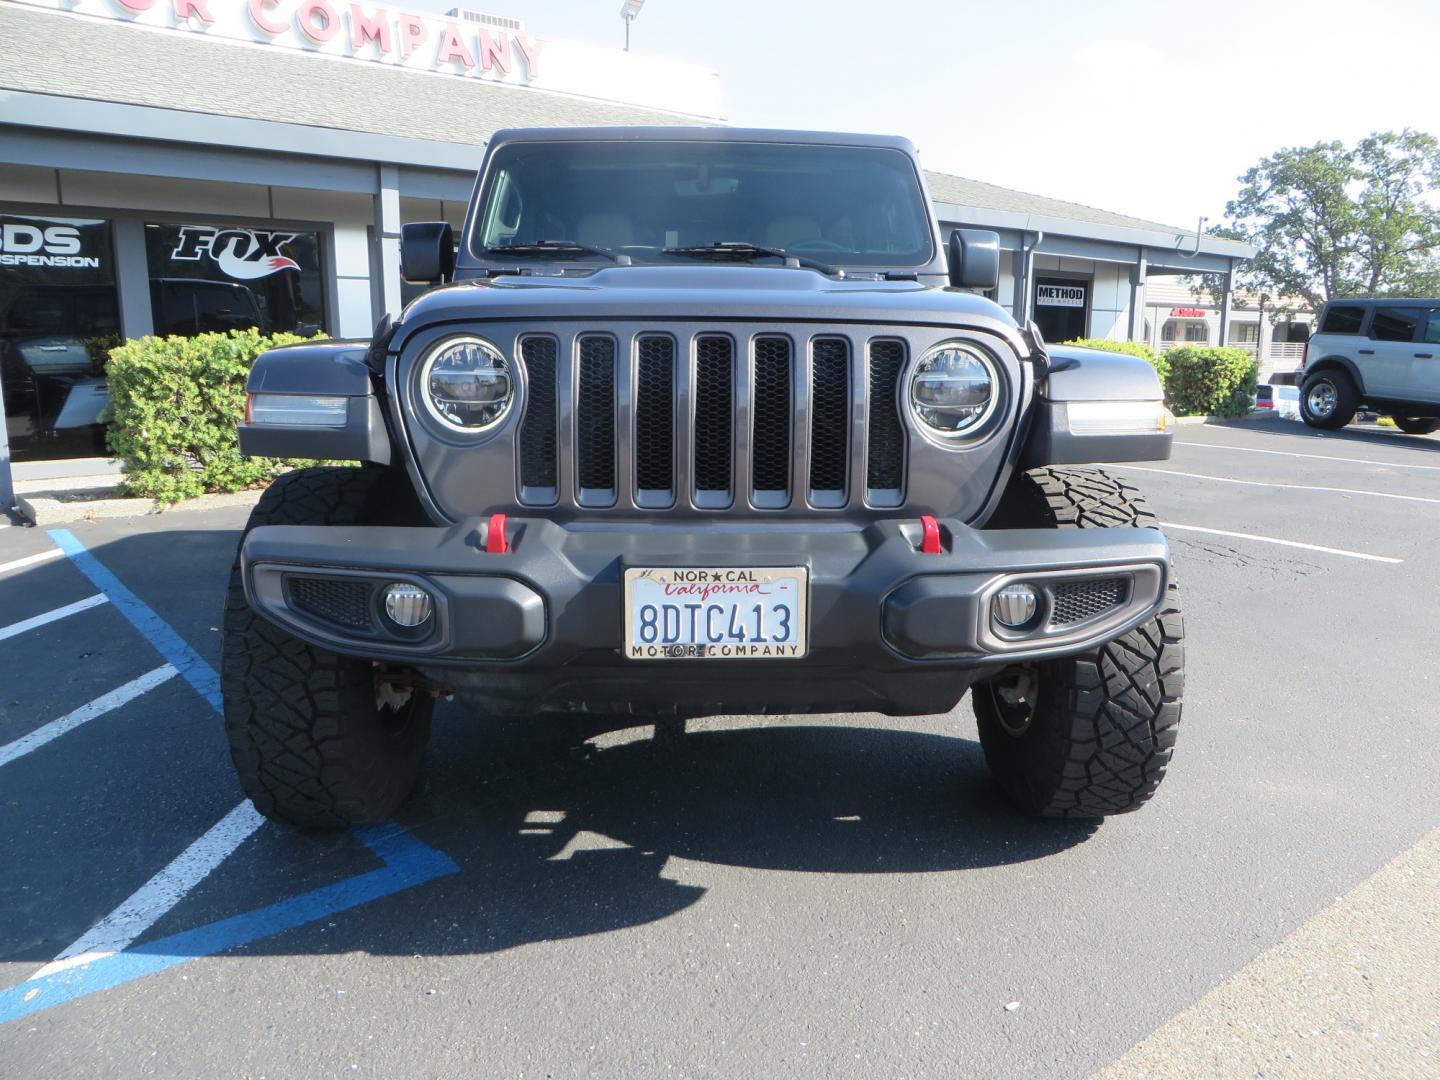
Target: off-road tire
(1347, 400)
(1416, 425)
(1101, 730)
(310, 743)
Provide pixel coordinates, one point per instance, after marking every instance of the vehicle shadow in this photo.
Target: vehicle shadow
(557, 837)
(1360, 434)
(567, 825)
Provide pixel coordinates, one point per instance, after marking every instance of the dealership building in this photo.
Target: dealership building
(173, 166)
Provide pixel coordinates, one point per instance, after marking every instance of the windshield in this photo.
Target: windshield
(845, 205)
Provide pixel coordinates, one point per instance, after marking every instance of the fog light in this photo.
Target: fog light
(1015, 605)
(407, 605)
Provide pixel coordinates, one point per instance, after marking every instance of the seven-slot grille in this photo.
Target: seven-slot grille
(712, 419)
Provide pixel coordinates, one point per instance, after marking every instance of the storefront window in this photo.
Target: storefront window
(59, 317)
(1244, 333)
(214, 277)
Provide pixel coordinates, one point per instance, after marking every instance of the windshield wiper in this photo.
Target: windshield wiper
(559, 247)
(744, 251)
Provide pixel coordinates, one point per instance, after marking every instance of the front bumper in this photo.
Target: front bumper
(540, 626)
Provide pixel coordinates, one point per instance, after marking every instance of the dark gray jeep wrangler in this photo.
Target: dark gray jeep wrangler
(701, 421)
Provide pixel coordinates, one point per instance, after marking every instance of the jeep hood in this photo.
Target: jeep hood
(728, 293)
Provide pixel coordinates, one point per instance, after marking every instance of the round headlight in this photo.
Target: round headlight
(952, 391)
(467, 384)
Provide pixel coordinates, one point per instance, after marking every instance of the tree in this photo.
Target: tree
(1331, 220)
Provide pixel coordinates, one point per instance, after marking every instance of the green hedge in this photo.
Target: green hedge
(1130, 348)
(1208, 380)
(175, 403)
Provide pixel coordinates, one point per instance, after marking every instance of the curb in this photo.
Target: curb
(44, 510)
(1196, 421)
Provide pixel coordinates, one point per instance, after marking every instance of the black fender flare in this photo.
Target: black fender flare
(1336, 363)
(1075, 375)
(332, 369)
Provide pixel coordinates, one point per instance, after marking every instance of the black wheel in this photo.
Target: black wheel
(1089, 735)
(1328, 400)
(1416, 425)
(318, 739)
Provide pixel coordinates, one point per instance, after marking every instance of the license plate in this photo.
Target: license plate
(716, 613)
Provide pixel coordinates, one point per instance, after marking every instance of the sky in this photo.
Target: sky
(1149, 109)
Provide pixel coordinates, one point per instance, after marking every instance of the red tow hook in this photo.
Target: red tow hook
(930, 535)
(495, 542)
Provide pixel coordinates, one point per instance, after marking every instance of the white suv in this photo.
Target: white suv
(1384, 354)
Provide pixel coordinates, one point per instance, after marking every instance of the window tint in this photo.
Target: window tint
(1343, 320)
(1394, 323)
(1432, 328)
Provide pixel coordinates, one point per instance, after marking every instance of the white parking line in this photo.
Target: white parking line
(1125, 467)
(162, 892)
(31, 560)
(1317, 457)
(50, 616)
(99, 707)
(1282, 543)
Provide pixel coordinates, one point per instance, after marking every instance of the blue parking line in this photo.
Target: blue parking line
(408, 862)
(191, 666)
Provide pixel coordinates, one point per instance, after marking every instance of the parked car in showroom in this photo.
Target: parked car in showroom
(701, 421)
(1375, 354)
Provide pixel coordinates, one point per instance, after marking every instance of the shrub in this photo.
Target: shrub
(1130, 348)
(1210, 381)
(175, 402)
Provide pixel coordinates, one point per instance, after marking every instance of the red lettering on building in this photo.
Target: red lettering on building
(365, 28)
(452, 47)
(494, 53)
(530, 49)
(184, 9)
(318, 21)
(412, 33)
(1188, 312)
(263, 21)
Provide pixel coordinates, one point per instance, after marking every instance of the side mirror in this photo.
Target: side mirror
(427, 252)
(974, 259)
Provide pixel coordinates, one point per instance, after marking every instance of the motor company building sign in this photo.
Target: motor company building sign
(442, 44)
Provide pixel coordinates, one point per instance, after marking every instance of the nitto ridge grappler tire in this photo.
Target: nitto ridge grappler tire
(1089, 735)
(318, 739)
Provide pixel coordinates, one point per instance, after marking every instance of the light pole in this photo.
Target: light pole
(628, 11)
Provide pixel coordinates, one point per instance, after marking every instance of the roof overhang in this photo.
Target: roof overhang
(1166, 252)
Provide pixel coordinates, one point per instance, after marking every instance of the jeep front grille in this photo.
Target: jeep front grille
(885, 461)
(708, 419)
(538, 464)
(595, 421)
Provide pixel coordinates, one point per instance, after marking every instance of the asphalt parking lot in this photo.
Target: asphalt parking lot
(820, 896)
